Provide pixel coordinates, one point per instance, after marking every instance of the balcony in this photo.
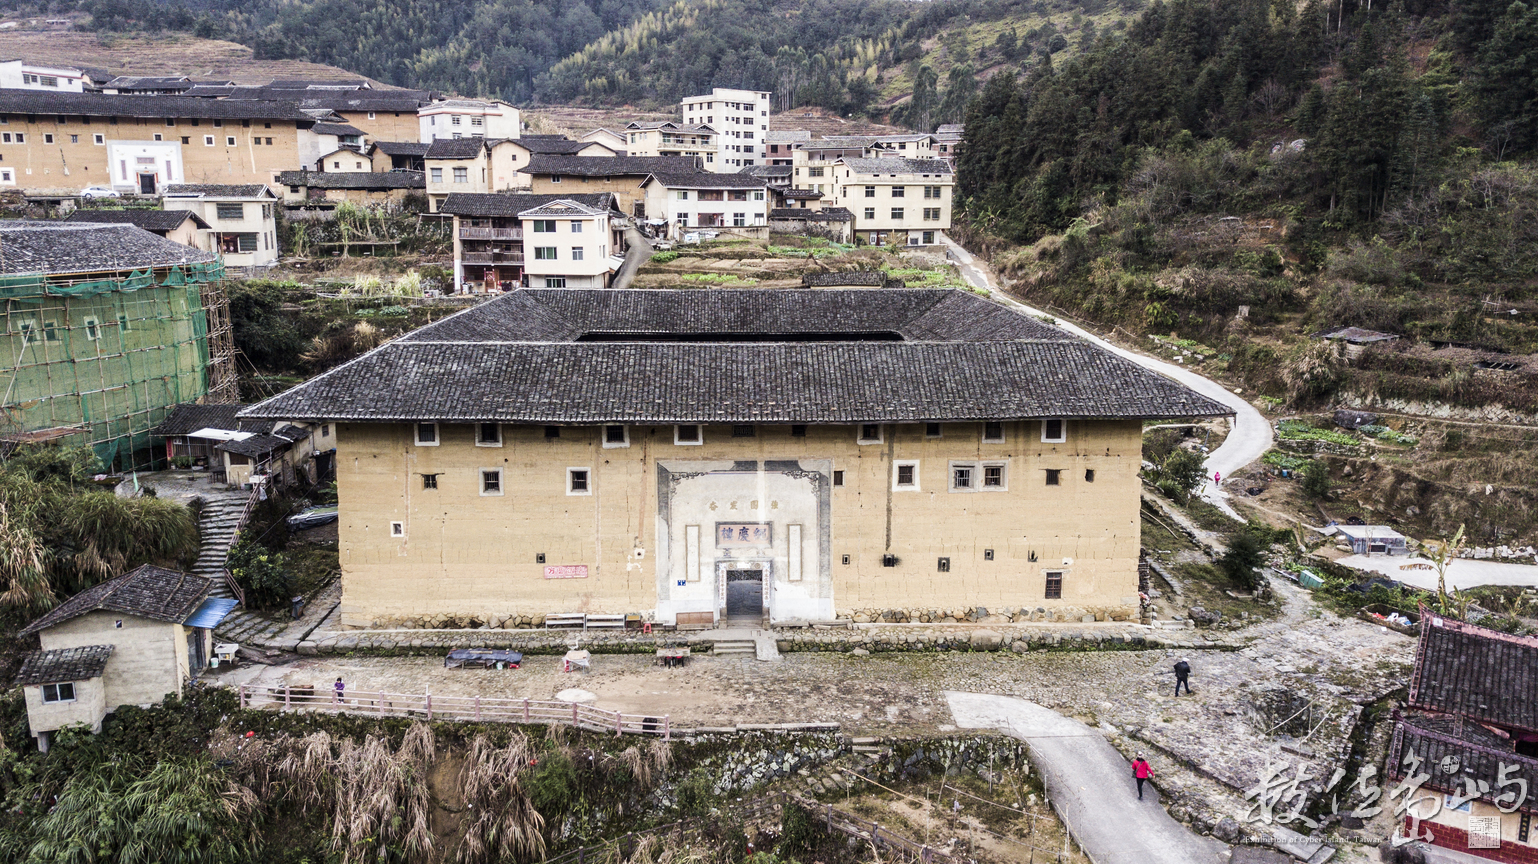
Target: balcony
(492, 257)
(466, 233)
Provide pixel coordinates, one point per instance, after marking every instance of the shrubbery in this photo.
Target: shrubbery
(261, 574)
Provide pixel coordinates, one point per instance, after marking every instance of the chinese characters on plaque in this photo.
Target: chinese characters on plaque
(743, 535)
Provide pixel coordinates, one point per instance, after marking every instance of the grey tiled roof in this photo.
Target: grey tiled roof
(87, 247)
(190, 417)
(786, 136)
(553, 146)
(256, 446)
(708, 180)
(898, 165)
(354, 179)
(336, 129)
(149, 220)
(1475, 672)
(802, 193)
(826, 214)
(63, 664)
(504, 204)
(218, 190)
(129, 105)
(519, 359)
(455, 148)
(401, 148)
(610, 166)
(148, 592)
(1479, 754)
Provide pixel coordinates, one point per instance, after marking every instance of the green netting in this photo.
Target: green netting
(39, 284)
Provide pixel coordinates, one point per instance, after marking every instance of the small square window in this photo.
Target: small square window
(1052, 431)
(74, 139)
(577, 481)
(931, 430)
(687, 434)
(993, 433)
(888, 560)
(491, 481)
(905, 476)
(208, 140)
(92, 329)
(59, 692)
(798, 430)
(229, 141)
(488, 435)
(47, 138)
(1054, 477)
(944, 565)
(993, 476)
(962, 477)
(429, 481)
(870, 433)
(616, 436)
(427, 434)
(539, 557)
(552, 431)
(838, 478)
(987, 554)
(1054, 584)
(845, 559)
(742, 431)
(397, 529)
(1089, 475)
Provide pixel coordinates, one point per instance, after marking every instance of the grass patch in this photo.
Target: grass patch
(1285, 461)
(1300, 430)
(717, 279)
(1383, 433)
(663, 257)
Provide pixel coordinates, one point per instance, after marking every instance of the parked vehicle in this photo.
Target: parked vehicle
(312, 518)
(99, 192)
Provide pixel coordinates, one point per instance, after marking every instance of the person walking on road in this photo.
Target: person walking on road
(1182, 676)
(1142, 772)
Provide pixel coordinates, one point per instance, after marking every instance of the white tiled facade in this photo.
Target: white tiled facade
(741, 120)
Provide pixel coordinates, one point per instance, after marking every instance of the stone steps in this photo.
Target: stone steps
(735, 648)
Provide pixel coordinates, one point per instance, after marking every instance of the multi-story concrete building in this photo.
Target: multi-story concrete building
(21, 75)
(672, 139)
(781, 146)
(620, 175)
(60, 143)
(699, 199)
(494, 239)
(241, 219)
(468, 118)
(740, 118)
(906, 201)
(753, 456)
(487, 165)
(948, 141)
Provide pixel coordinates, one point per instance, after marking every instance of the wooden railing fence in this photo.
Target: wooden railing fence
(476, 708)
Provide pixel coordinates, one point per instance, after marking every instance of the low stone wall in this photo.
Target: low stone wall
(982, 614)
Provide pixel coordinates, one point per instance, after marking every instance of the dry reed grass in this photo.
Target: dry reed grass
(502, 824)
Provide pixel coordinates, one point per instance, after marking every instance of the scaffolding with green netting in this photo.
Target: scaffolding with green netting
(101, 358)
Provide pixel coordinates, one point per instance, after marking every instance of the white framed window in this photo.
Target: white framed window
(576, 253)
(905, 475)
(462, 175)
(47, 137)
(616, 436)
(576, 226)
(870, 433)
(370, 115)
(159, 137)
(993, 433)
(229, 140)
(427, 434)
(99, 138)
(437, 174)
(208, 140)
(993, 476)
(397, 529)
(491, 482)
(964, 477)
(688, 435)
(579, 481)
(64, 692)
(1054, 430)
(488, 434)
(92, 329)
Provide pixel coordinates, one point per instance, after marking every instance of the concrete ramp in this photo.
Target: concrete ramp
(1090, 784)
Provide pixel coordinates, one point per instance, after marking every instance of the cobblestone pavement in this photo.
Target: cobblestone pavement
(1206, 748)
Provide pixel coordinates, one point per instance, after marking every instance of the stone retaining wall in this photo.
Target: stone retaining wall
(981, 614)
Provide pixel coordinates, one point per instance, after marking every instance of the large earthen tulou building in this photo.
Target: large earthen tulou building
(704, 456)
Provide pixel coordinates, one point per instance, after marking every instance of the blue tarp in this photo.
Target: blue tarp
(211, 612)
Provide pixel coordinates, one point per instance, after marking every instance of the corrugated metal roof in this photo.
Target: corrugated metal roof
(211, 612)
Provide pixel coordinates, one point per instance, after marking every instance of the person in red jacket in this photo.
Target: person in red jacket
(1142, 772)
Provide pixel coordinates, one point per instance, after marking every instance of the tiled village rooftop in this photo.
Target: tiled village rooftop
(1479, 673)
(401, 179)
(148, 591)
(63, 664)
(487, 204)
(763, 356)
(88, 247)
(149, 220)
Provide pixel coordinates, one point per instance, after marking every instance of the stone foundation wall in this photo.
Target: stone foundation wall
(984, 615)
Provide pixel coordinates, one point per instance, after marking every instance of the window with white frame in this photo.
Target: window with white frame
(579, 481)
(491, 481)
(488, 434)
(870, 433)
(994, 476)
(462, 175)
(993, 433)
(62, 692)
(576, 253)
(616, 436)
(397, 529)
(208, 140)
(984, 476)
(1054, 430)
(544, 253)
(688, 434)
(427, 434)
(905, 475)
(576, 226)
(437, 175)
(544, 226)
(963, 477)
(92, 329)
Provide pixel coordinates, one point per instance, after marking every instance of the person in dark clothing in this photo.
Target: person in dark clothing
(1142, 772)
(1182, 676)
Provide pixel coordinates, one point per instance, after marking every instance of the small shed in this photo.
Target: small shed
(64, 687)
(139, 636)
(1374, 539)
(1356, 339)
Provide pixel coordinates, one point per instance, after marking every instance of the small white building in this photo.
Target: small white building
(469, 118)
(741, 121)
(1374, 539)
(132, 640)
(906, 201)
(242, 224)
(21, 75)
(566, 245)
(700, 200)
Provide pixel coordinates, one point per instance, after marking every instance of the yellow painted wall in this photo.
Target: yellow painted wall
(149, 658)
(465, 554)
(88, 708)
(627, 190)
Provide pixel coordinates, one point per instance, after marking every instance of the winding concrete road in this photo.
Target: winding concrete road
(1247, 441)
(1090, 784)
(635, 255)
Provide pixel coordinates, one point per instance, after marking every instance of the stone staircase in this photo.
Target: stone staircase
(216, 528)
(746, 649)
(834, 777)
